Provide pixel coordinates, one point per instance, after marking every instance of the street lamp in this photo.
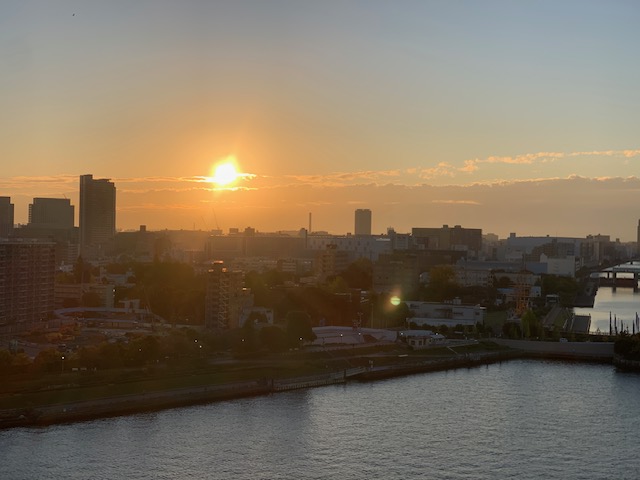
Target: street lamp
(62, 369)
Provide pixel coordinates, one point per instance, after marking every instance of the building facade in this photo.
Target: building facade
(27, 271)
(97, 219)
(6, 217)
(457, 238)
(363, 221)
(51, 213)
(225, 298)
(447, 314)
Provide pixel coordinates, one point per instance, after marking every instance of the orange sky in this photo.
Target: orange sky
(506, 116)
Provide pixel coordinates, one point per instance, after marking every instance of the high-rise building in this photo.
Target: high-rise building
(225, 297)
(363, 221)
(97, 218)
(27, 270)
(51, 213)
(638, 239)
(6, 217)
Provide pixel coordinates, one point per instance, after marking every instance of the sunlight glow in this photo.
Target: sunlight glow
(225, 173)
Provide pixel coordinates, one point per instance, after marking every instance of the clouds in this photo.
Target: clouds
(596, 194)
(574, 206)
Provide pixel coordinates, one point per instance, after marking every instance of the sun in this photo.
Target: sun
(225, 174)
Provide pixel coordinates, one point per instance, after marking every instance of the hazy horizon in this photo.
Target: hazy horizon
(510, 117)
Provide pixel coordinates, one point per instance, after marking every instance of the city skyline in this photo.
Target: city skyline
(506, 117)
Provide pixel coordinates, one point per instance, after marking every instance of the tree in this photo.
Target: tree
(511, 330)
(386, 314)
(299, 327)
(273, 338)
(531, 325)
(442, 285)
(91, 299)
(627, 346)
(337, 285)
(5, 361)
(359, 274)
(49, 360)
(565, 287)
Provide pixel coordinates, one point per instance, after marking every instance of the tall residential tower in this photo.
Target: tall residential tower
(6, 217)
(363, 221)
(97, 220)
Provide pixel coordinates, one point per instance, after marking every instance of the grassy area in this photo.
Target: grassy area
(495, 320)
(73, 387)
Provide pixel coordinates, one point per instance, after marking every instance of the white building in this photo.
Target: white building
(565, 267)
(419, 339)
(447, 314)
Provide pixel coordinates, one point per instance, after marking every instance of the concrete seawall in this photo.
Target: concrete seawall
(434, 365)
(127, 404)
(592, 351)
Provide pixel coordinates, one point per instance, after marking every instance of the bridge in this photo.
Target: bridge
(614, 281)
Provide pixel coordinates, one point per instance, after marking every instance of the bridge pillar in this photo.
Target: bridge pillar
(613, 284)
(635, 282)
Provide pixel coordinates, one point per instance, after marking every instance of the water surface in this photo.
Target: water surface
(517, 419)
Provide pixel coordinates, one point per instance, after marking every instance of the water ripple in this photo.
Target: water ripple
(519, 419)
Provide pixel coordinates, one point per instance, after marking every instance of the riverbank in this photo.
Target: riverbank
(624, 364)
(585, 351)
(368, 365)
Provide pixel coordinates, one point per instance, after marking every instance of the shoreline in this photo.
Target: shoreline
(165, 399)
(154, 401)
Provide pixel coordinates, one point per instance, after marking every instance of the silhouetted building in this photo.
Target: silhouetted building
(97, 216)
(363, 221)
(27, 270)
(225, 297)
(6, 217)
(397, 273)
(51, 213)
(356, 246)
(252, 244)
(52, 219)
(445, 238)
(330, 262)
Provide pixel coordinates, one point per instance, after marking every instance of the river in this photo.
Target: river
(621, 303)
(517, 419)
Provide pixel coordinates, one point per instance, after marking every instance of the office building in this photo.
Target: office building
(52, 219)
(363, 221)
(457, 238)
(27, 270)
(97, 218)
(6, 217)
(51, 213)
